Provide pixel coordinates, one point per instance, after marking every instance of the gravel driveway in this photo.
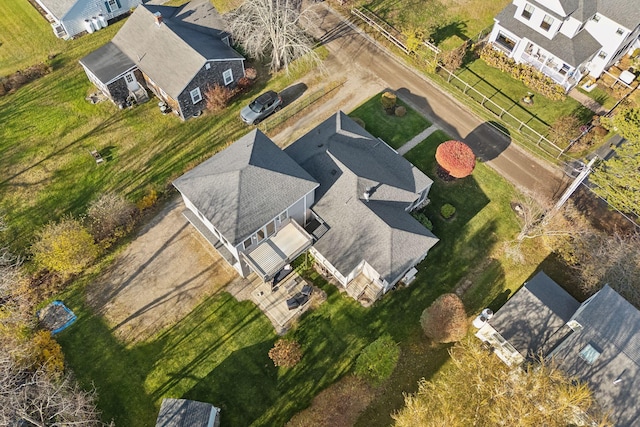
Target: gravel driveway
(159, 278)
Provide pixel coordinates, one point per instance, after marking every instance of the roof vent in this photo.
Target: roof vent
(158, 17)
(367, 193)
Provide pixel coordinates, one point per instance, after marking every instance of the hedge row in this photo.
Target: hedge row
(527, 74)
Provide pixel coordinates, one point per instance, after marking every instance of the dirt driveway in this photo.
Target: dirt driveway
(159, 278)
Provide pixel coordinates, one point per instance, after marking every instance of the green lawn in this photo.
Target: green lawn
(447, 22)
(507, 92)
(218, 353)
(48, 129)
(395, 131)
(26, 38)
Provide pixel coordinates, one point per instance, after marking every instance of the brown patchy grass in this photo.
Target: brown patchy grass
(339, 405)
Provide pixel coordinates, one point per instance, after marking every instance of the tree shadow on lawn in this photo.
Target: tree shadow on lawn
(243, 386)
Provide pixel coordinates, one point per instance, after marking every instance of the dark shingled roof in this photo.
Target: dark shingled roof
(611, 325)
(186, 413)
(573, 51)
(346, 160)
(107, 62)
(172, 53)
(534, 314)
(245, 186)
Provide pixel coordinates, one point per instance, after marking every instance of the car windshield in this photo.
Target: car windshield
(255, 106)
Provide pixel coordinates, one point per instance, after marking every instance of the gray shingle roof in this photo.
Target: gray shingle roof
(573, 51)
(245, 186)
(534, 314)
(625, 12)
(611, 325)
(107, 62)
(172, 53)
(185, 413)
(345, 160)
(58, 7)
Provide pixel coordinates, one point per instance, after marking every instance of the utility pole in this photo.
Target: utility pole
(574, 186)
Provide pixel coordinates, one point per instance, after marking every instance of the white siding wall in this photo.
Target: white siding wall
(570, 27)
(536, 19)
(322, 260)
(605, 32)
(73, 21)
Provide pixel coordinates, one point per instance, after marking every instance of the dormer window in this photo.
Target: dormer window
(528, 11)
(546, 22)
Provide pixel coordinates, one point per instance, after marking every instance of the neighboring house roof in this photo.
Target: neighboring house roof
(107, 62)
(245, 186)
(346, 160)
(186, 413)
(611, 325)
(534, 314)
(172, 53)
(574, 51)
(58, 7)
(624, 12)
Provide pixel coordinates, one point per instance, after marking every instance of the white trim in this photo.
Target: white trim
(227, 76)
(196, 95)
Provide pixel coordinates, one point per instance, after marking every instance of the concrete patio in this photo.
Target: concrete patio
(273, 303)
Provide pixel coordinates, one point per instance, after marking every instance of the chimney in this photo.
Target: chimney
(158, 17)
(367, 193)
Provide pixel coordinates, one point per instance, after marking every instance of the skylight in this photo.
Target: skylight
(589, 354)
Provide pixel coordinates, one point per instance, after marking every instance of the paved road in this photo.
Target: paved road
(353, 49)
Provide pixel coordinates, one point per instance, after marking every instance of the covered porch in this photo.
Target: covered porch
(550, 65)
(364, 290)
(270, 256)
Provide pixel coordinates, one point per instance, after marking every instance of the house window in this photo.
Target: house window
(112, 5)
(547, 21)
(260, 235)
(227, 76)
(564, 70)
(590, 354)
(505, 42)
(271, 228)
(247, 243)
(602, 54)
(596, 17)
(129, 78)
(620, 31)
(283, 216)
(528, 11)
(196, 96)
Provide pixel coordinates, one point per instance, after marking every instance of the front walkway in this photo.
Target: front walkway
(417, 139)
(587, 102)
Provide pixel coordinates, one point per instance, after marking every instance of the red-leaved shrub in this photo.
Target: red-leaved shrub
(456, 158)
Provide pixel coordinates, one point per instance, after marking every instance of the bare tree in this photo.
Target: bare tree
(32, 398)
(274, 28)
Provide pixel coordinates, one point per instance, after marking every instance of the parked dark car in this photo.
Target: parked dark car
(261, 107)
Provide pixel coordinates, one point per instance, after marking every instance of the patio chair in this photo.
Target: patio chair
(306, 290)
(293, 303)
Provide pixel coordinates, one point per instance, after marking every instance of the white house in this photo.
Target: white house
(337, 191)
(568, 39)
(71, 17)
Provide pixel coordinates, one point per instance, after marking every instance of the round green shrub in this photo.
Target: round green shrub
(447, 211)
(388, 100)
(377, 361)
(401, 111)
